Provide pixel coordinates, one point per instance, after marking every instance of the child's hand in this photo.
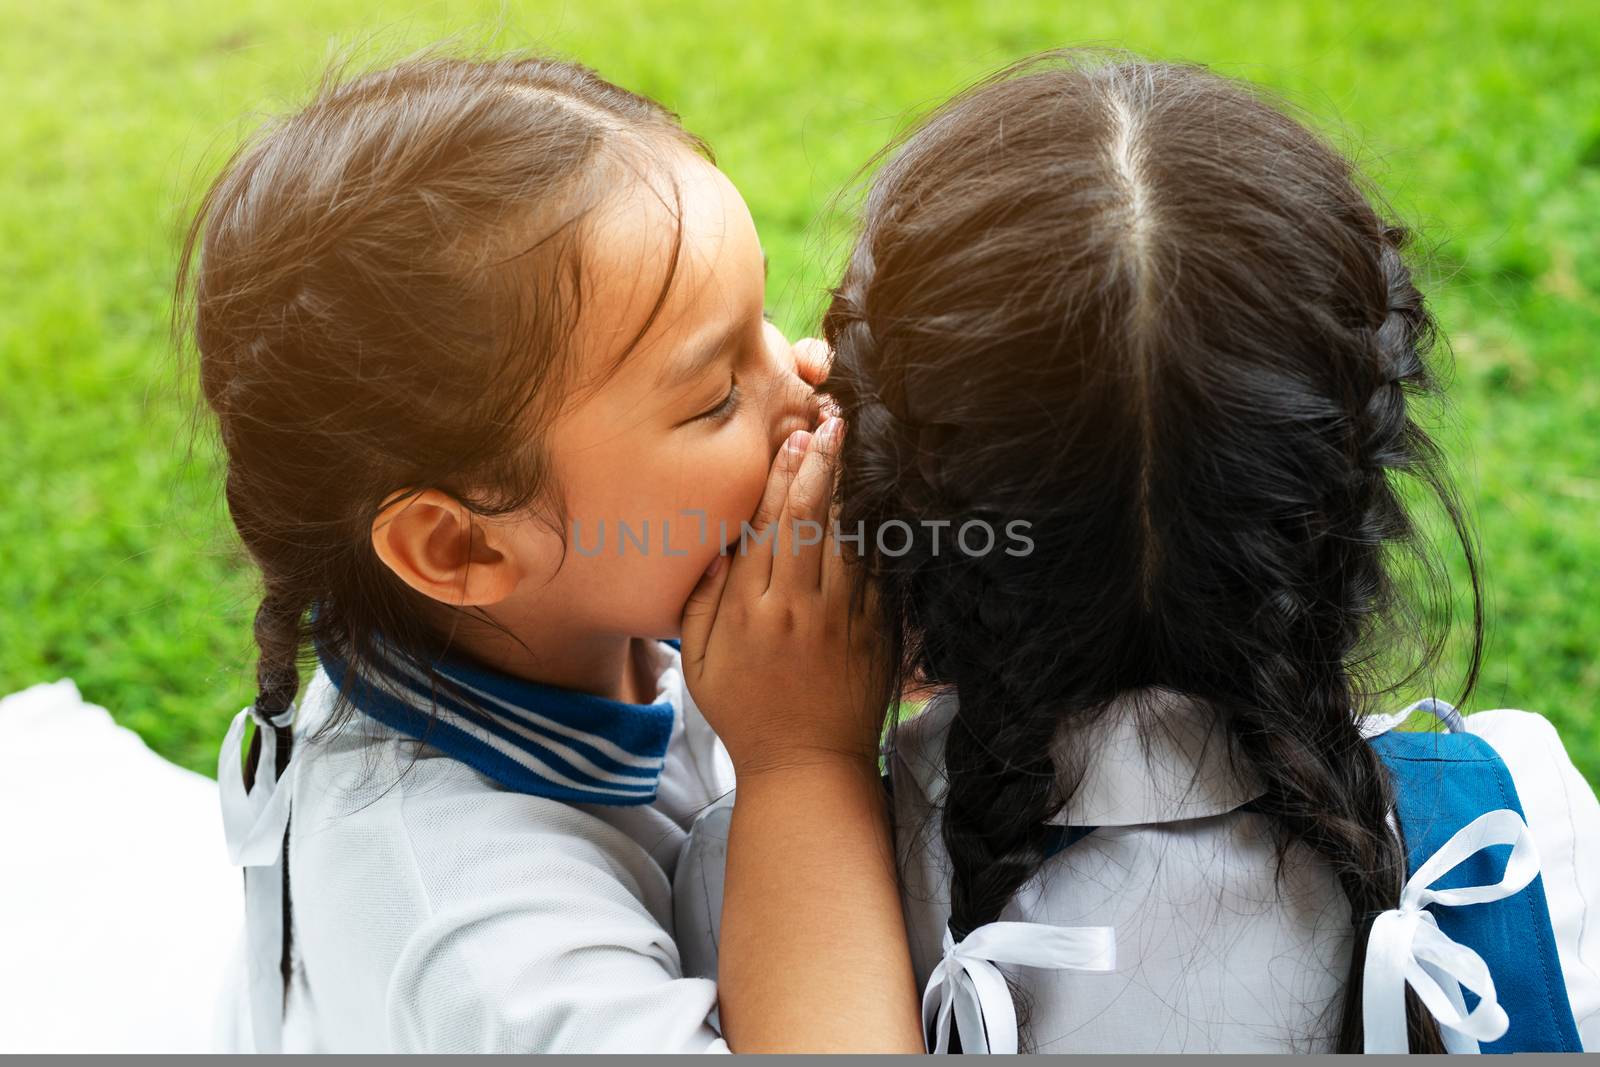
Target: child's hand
(777, 661)
(813, 953)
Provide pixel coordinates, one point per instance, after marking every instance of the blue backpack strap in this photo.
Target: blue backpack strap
(1442, 782)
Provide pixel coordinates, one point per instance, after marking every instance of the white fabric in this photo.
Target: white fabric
(1406, 946)
(435, 911)
(254, 823)
(1180, 769)
(1214, 954)
(117, 903)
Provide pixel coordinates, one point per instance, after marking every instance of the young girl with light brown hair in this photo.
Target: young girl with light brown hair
(485, 345)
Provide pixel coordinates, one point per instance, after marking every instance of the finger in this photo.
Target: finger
(838, 565)
(803, 527)
(751, 567)
(784, 466)
(845, 574)
(812, 358)
(700, 614)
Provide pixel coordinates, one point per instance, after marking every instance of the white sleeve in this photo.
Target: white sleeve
(512, 974)
(543, 934)
(697, 889)
(1564, 818)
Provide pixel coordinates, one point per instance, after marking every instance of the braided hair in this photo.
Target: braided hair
(1145, 310)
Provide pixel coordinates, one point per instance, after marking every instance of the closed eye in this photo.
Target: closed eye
(725, 407)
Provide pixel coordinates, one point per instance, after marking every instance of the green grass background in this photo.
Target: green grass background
(1481, 121)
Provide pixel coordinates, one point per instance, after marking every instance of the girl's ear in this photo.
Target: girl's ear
(441, 549)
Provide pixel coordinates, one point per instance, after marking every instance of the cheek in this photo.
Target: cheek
(755, 467)
(722, 476)
(728, 483)
(735, 480)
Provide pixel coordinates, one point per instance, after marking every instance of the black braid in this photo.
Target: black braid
(967, 634)
(998, 753)
(278, 635)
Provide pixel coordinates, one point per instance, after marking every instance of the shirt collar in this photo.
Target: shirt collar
(1153, 756)
(530, 738)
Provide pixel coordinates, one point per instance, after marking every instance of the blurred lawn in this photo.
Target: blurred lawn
(1482, 121)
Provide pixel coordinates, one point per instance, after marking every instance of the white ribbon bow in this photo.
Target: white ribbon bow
(1406, 945)
(254, 823)
(968, 985)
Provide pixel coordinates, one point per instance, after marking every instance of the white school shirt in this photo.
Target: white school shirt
(1211, 953)
(443, 909)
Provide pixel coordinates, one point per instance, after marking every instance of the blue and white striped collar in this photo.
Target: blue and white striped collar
(531, 738)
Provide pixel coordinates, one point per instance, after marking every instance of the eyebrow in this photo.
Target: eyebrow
(706, 351)
(687, 371)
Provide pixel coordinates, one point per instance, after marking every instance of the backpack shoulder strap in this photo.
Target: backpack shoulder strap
(1442, 782)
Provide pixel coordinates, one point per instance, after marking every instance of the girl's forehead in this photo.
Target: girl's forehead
(684, 205)
(671, 256)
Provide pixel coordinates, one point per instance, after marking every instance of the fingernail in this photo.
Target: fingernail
(828, 432)
(798, 442)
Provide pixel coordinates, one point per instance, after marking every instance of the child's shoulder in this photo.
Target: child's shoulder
(468, 901)
(368, 794)
(1563, 815)
(1554, 793)
(1525, 742)
(1518, 735)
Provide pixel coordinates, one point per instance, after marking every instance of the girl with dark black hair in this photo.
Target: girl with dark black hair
(1132, 370)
